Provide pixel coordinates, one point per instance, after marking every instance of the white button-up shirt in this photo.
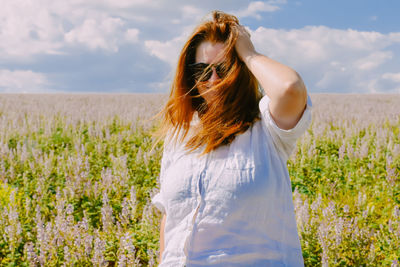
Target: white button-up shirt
(234, 205)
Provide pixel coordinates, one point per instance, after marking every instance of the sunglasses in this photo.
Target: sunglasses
(202, 71)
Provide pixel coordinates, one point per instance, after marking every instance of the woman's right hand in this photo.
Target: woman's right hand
(244, 47)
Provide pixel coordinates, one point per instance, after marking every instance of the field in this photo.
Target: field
(77, 174)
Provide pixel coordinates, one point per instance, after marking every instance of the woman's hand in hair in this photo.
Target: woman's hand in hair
(244, 47)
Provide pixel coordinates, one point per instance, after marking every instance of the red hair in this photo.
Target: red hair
(235, 105)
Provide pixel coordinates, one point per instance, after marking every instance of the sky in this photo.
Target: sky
(131, 46)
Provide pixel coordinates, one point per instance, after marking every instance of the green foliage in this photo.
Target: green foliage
(48, 186)
(69, 190)
(371, 232)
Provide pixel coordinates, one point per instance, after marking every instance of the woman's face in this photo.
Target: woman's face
(209, 53)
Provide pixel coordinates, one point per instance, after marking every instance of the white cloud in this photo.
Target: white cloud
(394, 36)
(126, 3)
(132, 35)
(394, 77)
(28, 28)
(192, 12)
(22, 81)
(330, 58)
(41, 27)
(254, 8)
(104, 34)
(373, 60)
(168, 51)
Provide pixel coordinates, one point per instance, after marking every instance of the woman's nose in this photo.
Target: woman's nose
(214, 76)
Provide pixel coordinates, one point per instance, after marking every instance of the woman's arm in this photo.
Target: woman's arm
(282, 84)
(162, 237)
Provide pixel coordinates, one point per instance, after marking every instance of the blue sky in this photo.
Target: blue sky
(128, 46)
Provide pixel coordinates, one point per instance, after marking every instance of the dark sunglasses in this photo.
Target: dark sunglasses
(202, 71)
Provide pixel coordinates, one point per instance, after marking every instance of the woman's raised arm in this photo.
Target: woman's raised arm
(282, 84)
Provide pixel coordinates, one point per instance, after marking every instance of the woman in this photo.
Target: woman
(225, 191)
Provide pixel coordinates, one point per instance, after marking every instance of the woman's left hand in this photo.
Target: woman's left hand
(244, 47)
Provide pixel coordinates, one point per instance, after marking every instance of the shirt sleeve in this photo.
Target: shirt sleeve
(285, 140)
(158, 199)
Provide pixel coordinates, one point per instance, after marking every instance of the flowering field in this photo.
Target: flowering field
(77, 175)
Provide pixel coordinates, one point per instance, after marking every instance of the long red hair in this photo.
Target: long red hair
(235, 105)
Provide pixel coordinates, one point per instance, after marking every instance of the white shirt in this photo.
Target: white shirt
(234, 205)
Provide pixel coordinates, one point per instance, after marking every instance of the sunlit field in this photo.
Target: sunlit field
(77, 175)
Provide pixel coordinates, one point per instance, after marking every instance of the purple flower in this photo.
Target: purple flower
(342, 151)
